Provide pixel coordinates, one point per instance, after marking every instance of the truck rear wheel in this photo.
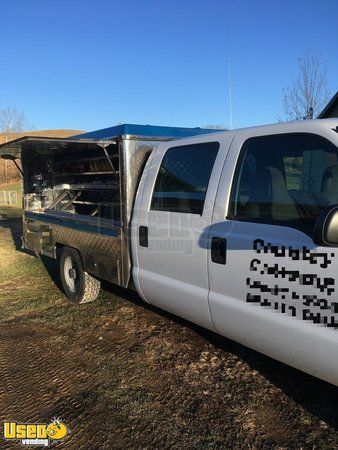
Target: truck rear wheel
(78, 285)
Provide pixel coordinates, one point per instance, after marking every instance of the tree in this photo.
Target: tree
(12, 122)
(308, 94)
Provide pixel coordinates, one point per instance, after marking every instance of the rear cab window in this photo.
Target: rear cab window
(183, 178)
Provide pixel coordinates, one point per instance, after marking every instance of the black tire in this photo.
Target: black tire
(78, 285)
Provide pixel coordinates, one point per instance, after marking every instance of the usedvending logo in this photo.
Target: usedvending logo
(36, 434)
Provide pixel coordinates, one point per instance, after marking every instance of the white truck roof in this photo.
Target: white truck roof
(326, 127)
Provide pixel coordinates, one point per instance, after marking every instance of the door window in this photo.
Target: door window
(183, 178)
(285, 180)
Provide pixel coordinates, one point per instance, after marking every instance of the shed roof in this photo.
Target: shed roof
(331, 109)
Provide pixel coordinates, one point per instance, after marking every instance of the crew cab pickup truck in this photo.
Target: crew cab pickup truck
(236, 231)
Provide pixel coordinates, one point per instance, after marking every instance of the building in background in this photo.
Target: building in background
(331, 109)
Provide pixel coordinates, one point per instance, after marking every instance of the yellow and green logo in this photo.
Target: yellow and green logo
(36, 433)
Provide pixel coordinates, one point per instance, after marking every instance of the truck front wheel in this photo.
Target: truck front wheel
(78, 285)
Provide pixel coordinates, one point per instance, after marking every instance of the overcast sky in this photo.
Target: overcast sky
(89, 64)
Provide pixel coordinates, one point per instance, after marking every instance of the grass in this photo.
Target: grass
(12, 187)
(33, 287)
(293, 181)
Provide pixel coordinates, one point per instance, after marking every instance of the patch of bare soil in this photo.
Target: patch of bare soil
(41, 378)
(140, 380)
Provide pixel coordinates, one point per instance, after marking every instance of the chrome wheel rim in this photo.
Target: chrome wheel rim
(70, 272)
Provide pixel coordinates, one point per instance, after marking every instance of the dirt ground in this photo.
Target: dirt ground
(123, 375)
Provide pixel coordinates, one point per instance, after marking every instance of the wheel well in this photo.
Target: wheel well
(59, 247)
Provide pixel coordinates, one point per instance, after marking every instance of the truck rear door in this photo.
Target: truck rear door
(171, 224)
(276, 291)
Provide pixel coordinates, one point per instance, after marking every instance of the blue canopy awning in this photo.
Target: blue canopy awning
(144, 131)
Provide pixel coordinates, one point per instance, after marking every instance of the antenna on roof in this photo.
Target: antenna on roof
(230, 93)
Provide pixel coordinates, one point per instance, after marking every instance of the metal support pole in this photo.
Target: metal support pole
(104, 145)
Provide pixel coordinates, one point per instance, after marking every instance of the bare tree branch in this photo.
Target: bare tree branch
(13, 121)
(308, 94)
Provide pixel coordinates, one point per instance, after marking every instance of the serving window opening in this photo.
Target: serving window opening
(73, 178)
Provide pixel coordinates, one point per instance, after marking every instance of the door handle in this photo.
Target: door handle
(218, 250)
(143, 236)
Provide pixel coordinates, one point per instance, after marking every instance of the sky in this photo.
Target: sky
(91, 64)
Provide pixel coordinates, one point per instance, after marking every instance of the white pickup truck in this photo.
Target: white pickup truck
(236, 231)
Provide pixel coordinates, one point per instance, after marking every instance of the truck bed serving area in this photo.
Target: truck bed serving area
(79, 192)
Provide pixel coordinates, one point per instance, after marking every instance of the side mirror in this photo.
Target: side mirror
(326, 228)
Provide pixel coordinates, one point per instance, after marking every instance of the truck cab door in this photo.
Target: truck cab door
(276, 291)
(171, 223)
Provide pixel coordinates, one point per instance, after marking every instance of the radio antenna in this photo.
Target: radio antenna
(230, 94)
